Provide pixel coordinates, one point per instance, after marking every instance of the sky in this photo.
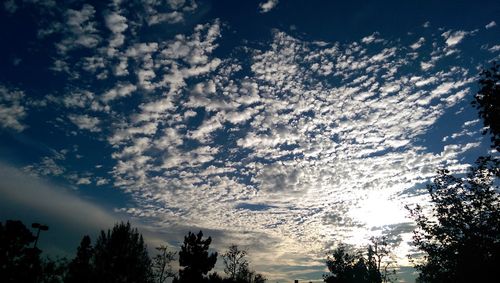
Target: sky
(285, 127)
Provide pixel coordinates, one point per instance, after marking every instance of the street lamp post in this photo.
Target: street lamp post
(40, 227)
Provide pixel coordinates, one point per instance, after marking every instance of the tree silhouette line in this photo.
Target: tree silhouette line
(118, 256)
(349, 265)
(458, 236)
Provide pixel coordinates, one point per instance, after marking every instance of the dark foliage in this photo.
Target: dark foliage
(80, 268)
(53, 271)
(245, 275)
(352, 267)
(120, 255)
(194, 259)
(487, 101)
(18, 261)
(460, 238)
(216, 278)
(162, 268)
(380, 254)
(236, 266)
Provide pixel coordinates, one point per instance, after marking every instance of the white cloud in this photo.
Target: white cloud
(10, 6)
(47, 167)
(418, 44)
(119, 91)
(268, 6)
(176, 4)
(494, 48)
(178, 9)
(85, 122)
(492, 24)
(389, 88)
(203, 133)
(83, 181)
(453, 38)
(369, 39)
(426, 65)
(81, 29)
(93, 64)
(117, 24)
(12, 111)
(171, 18)
(101, 181)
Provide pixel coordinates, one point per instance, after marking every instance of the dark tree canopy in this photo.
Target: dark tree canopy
(460, 238)
(352, 267)
(120, 255)
(245, 275)
(53, 271)
(380, 254)
(80, 268)
(19, 261)
(487, 101)
(194, 258)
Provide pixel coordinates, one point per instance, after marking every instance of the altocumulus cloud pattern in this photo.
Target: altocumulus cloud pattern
(286, 143)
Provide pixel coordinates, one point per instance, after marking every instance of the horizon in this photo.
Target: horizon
(280, 126)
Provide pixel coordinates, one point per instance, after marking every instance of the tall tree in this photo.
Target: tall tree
(460, 233)
(380, 259)
(487, 101)
(194, 258)
(18, 261)
(234, 261)
(162, 264)
(120, 255)
(80, 268)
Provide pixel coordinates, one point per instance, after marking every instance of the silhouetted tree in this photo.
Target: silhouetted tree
(352, 267)
(245, 275)
(162, 267)
(53, 271)
(215, 278)
(120, 255)
(259, 278)
(18, 261)
(194, 258)
(80, 268)
(487, 101)
(460, 235)
(234, 261)
(379, 256)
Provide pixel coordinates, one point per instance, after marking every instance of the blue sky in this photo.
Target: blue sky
(282, 126)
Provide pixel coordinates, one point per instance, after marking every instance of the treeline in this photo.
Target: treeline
(118, 255)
